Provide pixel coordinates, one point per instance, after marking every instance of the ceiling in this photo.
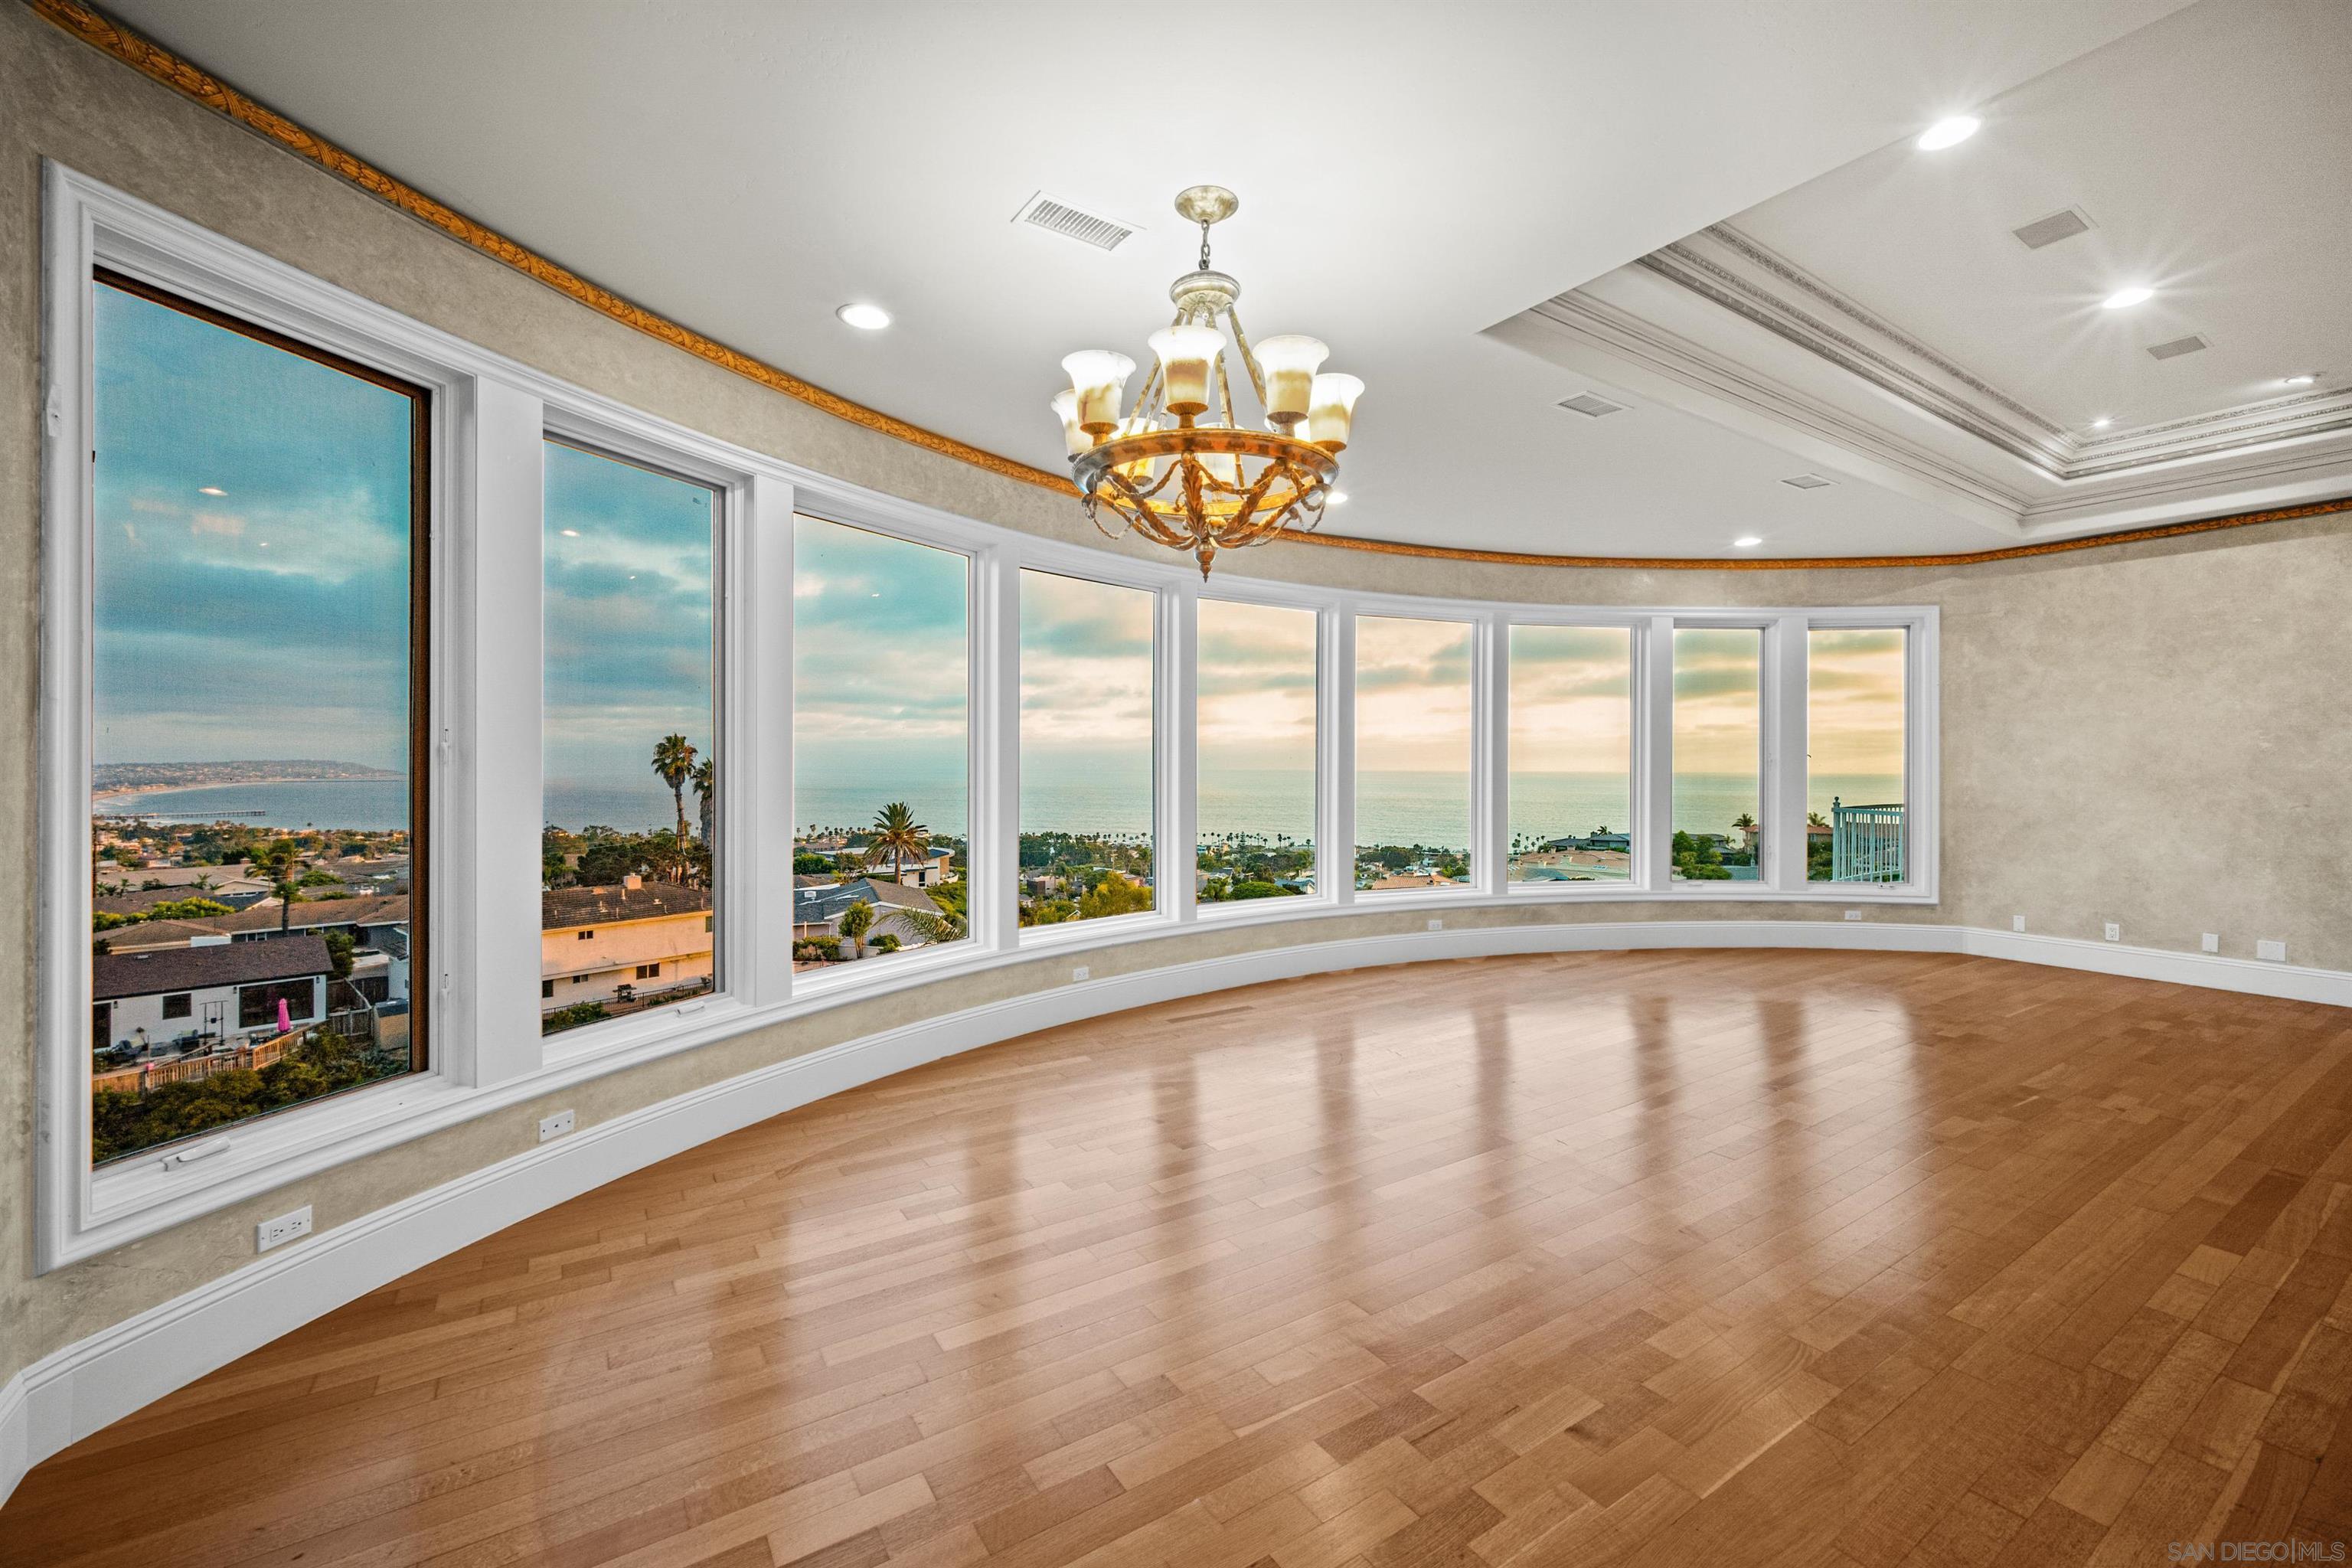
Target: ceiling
(1482, 209)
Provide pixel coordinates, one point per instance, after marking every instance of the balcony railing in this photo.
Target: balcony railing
(1866, 843)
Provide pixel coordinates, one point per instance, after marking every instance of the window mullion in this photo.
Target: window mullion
(755, 684)
(1177, 807)
(1489, 746)
(993, 849)
(1783, 763)
(1654, 753)
(485, 954)
(1335, 852)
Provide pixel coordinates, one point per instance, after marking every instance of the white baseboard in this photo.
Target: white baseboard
(74, 1392)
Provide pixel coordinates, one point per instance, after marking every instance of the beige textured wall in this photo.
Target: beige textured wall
(2151, 734)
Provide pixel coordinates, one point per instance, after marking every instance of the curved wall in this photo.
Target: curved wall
(2149, 733)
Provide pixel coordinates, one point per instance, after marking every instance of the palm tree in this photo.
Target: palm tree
(706, 793)
(674, 761)
(937, 925)
(855, 921)
(280, 864)
(897, 834)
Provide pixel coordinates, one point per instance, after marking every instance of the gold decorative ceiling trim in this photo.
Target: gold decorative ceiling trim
(1818, 563)
(153, 61)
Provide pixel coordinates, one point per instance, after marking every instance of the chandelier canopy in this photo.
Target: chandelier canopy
(1179, 468)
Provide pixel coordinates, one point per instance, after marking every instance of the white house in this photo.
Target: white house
(621, 942)
(188, 999)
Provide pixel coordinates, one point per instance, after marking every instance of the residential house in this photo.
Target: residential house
(182, 1000)
(622, 942)
(819, 904)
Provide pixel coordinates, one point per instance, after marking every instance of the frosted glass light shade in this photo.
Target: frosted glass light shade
(1289, 363)
(1223, 467)
(1098, 379)
(1138, 472)
(1331, 410)
(1187, 353)
(1073, 434)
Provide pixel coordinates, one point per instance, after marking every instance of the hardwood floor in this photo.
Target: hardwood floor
(1667, 1258)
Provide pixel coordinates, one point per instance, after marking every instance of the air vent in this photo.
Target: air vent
(2050, 230)
(1591, 407)
(1809, 482)
(1043, 211)
(2190, 344)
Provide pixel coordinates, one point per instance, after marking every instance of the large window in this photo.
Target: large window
(1571, 762)
(1718, 753)
(881, 732)
(259, 536)
(1255, 736)
(1412, 753)
(1854, 814)
(1086, 753)
(629, 739)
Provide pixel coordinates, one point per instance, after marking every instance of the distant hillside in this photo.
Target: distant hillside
(188, 775)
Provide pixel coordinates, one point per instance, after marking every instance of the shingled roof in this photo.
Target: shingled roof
(562, 907)
(114, 975)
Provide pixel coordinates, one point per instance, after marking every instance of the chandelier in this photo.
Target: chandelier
(1180, 470)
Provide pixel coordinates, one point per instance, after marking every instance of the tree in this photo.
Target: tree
(280, 863)
(706, 793)
(948, 922)
(1114, 894)
(897, 834)
(186, 909)
(1815, 820)
(674, 762)
(1743, 820)
(855, 921)
(341, 945)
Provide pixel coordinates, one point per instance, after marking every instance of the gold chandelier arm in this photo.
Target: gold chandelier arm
(1224, 394)
(1248, 358)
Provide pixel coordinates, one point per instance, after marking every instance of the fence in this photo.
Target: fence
(249, 1055)
(1866, 843)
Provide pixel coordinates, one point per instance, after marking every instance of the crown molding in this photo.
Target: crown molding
(1615, 331)
(1826, 562)
(158, 64)
(1722, 265)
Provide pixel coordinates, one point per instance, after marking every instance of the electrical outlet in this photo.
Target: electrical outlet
(555, 1126)
(1854, 915)
(1437, 925)
(2115, 931)
(1083, 971)
(286, 1227)
(2273, 951)
(2212, 942)
(2017, 923)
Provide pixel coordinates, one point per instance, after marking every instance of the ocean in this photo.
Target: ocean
(1428, 808)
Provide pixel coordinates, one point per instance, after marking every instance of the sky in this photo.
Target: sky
(1413, 695)
(1854, 689)
(269, 620)
(1086, 692)
(881, 662)
(1255, 705)
(1572, 700)
(627, 622)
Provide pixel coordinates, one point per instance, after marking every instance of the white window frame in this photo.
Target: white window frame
(489, 417)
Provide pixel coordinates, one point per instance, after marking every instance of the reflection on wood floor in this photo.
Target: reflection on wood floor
(1667, 1258)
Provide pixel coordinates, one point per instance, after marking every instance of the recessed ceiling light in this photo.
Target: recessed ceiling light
(1745, 542)
(2101, 422)
(212, 491)
(2297, 380)
(1947, 132)
(569, 533)
(2125, 298)
(1337, 497)
(865, 318)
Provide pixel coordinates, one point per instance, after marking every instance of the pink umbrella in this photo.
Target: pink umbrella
(285, 1018)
